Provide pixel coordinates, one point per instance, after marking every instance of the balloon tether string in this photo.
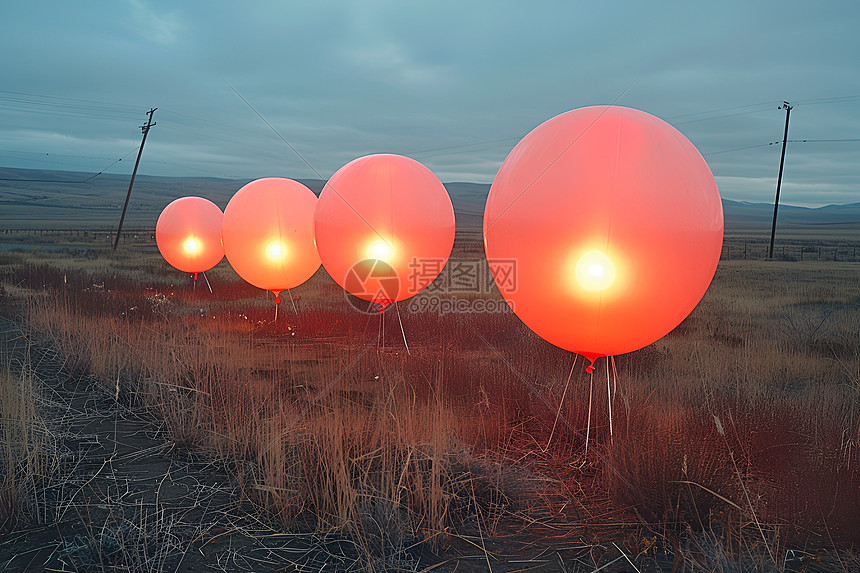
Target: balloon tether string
(561, 403)
(366, 324)
(289, 292)
(207, 282)
(609, 396)
(380, 340)
(403, 332)
(590, 370)
(614, 375)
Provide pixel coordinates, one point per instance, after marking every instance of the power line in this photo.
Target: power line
(818, 101)
(822, 140)
(38, 180)
(764, 105)
(294, 150)
(87, 180)
(18, 152)
(24, 98)
(740, 148)
(724, 116)
(778, 142)
(201, 126)
(761, 107)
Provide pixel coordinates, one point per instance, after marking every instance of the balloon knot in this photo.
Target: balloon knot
(590, 368)
(277, 298)
(195, 276)
(383, 304)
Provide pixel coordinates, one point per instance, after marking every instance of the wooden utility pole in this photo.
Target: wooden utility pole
(145, 129)
(785, 105)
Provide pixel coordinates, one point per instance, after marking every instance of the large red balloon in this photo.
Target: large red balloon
(188, 234)
(268, 233)
(614, 224)
(384, 227)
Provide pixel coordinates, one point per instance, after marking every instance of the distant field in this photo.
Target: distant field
(32, 199)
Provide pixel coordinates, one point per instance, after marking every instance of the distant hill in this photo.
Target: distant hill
(744, 215)
(72, 200)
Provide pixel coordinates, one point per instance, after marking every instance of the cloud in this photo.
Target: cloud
(455, 84)
(391, 64)
(163, 28)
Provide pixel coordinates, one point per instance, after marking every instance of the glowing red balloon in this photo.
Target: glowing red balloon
(188, 234)
(268, 233)
(614, 224)
(384, 227)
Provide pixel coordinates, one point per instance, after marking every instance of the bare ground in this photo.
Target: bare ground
(125, 498)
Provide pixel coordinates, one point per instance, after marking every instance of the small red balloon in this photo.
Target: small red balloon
(614, 225)
(188, 234)
(268, 233)
(384, 227)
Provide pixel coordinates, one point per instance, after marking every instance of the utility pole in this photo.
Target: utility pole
(785, 105)
(145, 129)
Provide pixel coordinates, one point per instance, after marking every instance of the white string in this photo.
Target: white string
(380, 339)
(588, 427)
(560, 404)
(609, 397)
(614, 375)
(403, 332)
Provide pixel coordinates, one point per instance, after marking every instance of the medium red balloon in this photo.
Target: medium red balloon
(188, 234)
(384, 227)
(614, 224)
(268, 233)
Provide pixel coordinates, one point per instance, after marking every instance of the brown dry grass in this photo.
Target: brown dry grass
(27, 455)
(735, 437)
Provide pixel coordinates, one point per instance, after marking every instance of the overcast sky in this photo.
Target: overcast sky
(453, 84)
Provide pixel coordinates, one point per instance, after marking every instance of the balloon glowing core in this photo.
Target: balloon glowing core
(192, 245)
(276, 251)
(380, 250)
(594, 271)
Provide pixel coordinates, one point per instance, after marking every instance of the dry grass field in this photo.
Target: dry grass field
(732, 443)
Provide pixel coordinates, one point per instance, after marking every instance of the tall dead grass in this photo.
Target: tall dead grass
(327, 436)
(741, 427)
(28, 459)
